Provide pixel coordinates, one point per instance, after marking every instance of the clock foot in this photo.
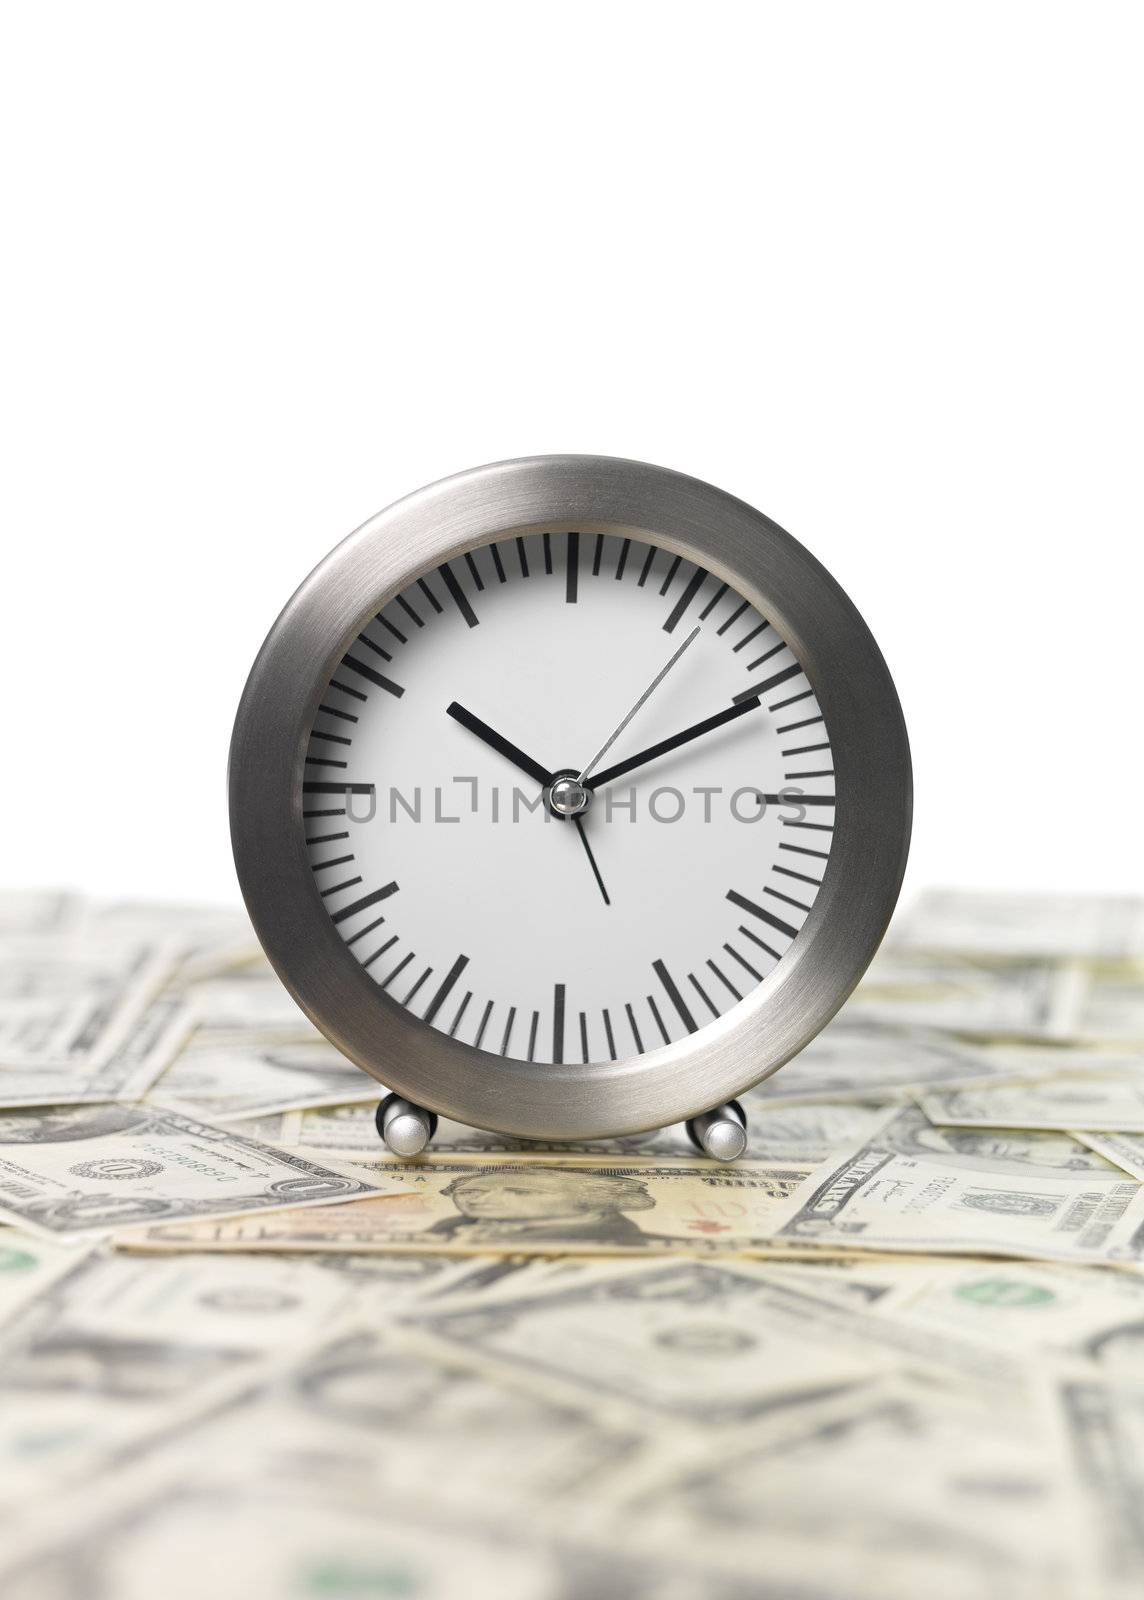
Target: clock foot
(721, 1133)
(406, 1128)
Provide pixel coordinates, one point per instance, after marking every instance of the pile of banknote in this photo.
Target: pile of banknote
(896, 1351)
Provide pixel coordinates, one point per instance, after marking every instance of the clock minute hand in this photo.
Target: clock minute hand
(696, 731)
(499, 743)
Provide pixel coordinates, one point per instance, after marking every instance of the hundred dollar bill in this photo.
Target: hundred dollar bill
(255, 1080)
(211, 939)
(74, 1171)
(995, 924)
(912, 1186)
(1023, 999)
(462, 1207)
(1115, 1104)
(1101, 1418)
(1124, 1150)
(152, 1040)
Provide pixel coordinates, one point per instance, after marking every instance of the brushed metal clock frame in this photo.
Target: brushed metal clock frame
(768, 568)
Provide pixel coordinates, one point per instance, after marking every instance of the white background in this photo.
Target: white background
(875, 268)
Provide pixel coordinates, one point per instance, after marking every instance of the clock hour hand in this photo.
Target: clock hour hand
(499, 743)
(696, 731)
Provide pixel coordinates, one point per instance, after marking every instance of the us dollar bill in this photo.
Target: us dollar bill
(1101, 1417)
(912, 1186)
(796, 1132)
(235, 1082)
(109, 1356)
(66, 1001)
(869, 1060)
(1125, 1150)
(1113, 1104)
(75, 1171)
(1022, 999)
(908, 1515)
(150, 1042)
(470, 1207)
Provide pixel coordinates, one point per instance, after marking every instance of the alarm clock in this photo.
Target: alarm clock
(570, 797)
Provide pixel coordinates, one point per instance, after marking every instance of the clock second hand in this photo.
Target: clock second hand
(652, 686)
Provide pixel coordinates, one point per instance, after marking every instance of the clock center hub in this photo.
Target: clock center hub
(567, 796)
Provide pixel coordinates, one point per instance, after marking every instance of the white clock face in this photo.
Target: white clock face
(686, 860)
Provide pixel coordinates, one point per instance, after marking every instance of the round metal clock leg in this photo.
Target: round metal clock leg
(406, 1128)
(720, 1133)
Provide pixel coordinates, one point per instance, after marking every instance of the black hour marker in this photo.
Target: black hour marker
(364, 638)
(726, 982)
(674, 995)
(445, 987)
(786, 899)
(599, 551)
(380, 951)
(325, 838)
(367, 900)
(487, 1013)
(546, 546)
(511, 1016)
(799, 799)
(400, 967)
(801, 876)
(413, 616)
(648, 559)
(801, 850)
(693, 586)
(368, 929)
(523, 559)
(335, 861)
(364, 671)
(331, 811)
(713, 602)
(608, 1035)
(754, 634)
(558, 1024)
(497, 563)
(666, 1037)
(794, 699)
(572, 562)
(472, 566)
(458, 594)
(621, 564)
(584, 1021)
(772, 921)
(532, 1035)
(702, 993)
(334, 788)
(738, 612)
(337, 888)
(766, 656)
(461, 1009)
(743, 962)
(789, 727)
(332, 711)
(324, 761)
(329, 738)
(754, 938)
(635, 1030)
(344, 688)
(392, 627)
(804, 749)
(428, 973)
(770, 683)
(430, 596)
(671, 571)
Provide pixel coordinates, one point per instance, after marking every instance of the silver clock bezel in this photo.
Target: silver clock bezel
(774, 573)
